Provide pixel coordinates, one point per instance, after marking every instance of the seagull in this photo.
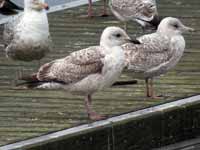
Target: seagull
(7, 7)
(86, 71)
(26, 36)
(143, 12)
(90, 11)
(158, 52)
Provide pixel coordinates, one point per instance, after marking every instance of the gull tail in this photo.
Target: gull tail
(11, 5)
(156, 21)
(119, 83)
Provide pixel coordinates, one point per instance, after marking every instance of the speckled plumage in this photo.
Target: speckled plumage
(86, 71)
(158, 52)
(26, 36)
(154, 51)
(134, 10)
(74, 67)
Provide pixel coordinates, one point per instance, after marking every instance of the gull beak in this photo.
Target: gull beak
(44, 6)
(187, 29)
(128, 39)
(134, 41)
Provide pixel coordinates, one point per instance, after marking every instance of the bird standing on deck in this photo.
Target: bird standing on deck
(143, 12)
(86, 71)
(158, 52)
(7, 7)
(90, 10)
(26, 36)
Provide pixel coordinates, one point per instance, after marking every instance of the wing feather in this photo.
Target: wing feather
(74, 67)
(10, 27)
(133, 9)
(153, 51)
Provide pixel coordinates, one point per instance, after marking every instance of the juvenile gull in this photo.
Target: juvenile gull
(86, 71)
(26, 36)
(7, 7)
(143, 12)
(157, 53)
(90, 10)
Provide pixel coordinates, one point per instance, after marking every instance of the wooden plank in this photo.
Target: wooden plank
(193, 144)
(84, 129)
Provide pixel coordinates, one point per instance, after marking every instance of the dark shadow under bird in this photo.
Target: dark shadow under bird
(7, 7)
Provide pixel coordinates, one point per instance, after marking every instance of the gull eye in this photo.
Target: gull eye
(118, 35)
(176, 25)
(151, 6)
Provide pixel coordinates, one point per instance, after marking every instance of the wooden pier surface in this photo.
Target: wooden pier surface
(29, 113)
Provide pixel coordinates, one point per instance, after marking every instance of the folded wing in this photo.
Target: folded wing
(152, 52)
(74, 67)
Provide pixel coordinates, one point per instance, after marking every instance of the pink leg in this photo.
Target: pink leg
(148, 94)
(90, 12)
(152, 92)
(91, 114)
(104, 14)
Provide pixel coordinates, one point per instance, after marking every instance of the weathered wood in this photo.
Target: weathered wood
(193, 144)
(121, 131)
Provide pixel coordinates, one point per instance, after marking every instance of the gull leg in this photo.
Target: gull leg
(39, 63)
(125, 26)
(91, 114)
(152, 92)
(104, 14)
(90, 12)
(148, 94)
(18, 75)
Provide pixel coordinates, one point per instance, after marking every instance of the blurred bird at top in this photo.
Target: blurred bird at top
(26, 36)
(90, 10)
(144, 12)
(7, 7)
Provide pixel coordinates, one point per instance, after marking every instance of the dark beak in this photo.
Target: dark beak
(45, 6)
(134, 41)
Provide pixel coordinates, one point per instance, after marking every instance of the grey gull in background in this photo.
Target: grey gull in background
(90, 10)
(143, 12)
(158, 52)
(86, 71)
(7, 7)
(26, 35)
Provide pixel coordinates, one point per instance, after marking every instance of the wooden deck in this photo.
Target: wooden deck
(29, 113)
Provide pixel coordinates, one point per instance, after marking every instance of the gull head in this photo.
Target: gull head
(173, 26)
(37, 5)
(114, 36)
(147, 9)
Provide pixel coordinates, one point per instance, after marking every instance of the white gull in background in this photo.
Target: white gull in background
(7, 7)
(158, 52)
(26, 35)
(143, 12)
(90, 10)
(86, 71)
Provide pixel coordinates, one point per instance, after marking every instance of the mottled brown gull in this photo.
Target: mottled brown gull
(26, 35)
(158, 52)
(143, 12)
(7, 7)
(85, 71)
